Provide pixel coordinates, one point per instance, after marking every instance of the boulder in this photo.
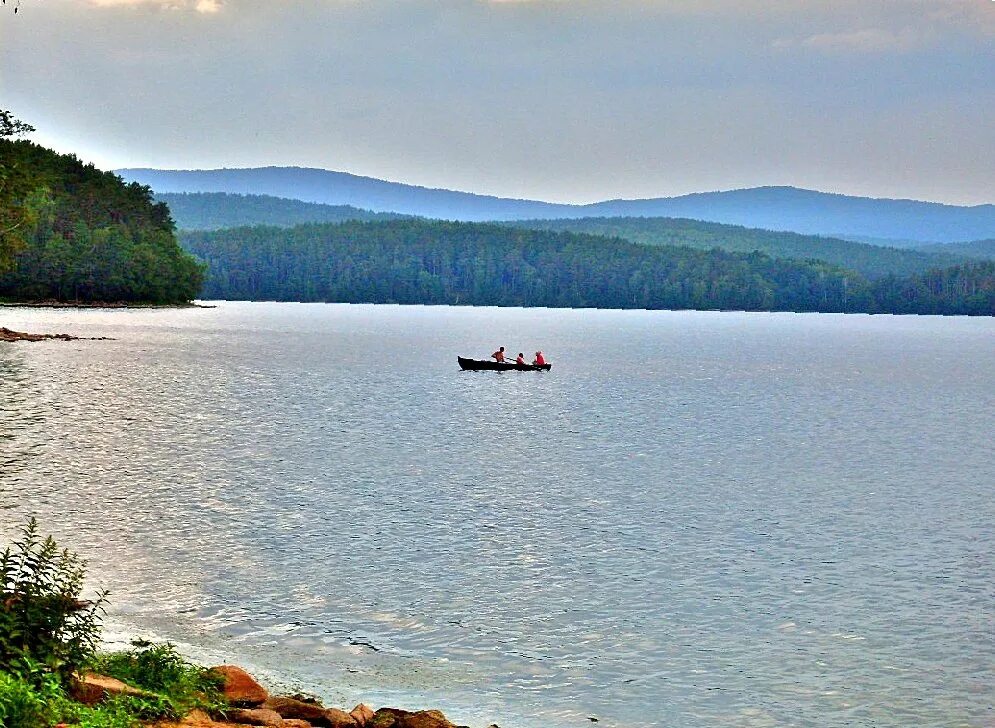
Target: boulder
(240, 688)
(91, 688)
(299, 709)
(256, 716)
(295, 723)
(339, 719)
(362, 714)
(396, 718)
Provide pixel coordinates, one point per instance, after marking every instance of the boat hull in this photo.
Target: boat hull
(478, 365)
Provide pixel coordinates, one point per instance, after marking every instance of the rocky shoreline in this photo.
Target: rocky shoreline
(11, 335)
(249, 704)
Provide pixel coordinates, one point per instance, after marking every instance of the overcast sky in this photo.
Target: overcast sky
(564, 100)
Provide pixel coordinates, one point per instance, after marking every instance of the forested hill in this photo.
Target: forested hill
(214, 210)
(81, 234)
(771, 208)
(871, 261)
(980, 249)
(423, 262)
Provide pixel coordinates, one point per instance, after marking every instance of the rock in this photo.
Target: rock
(90, 688)
(256, 716)
(395, 718)
(340, 719)
(362, 714)
(294, 708)
(295, 723)
(9, 335)
(240, 688)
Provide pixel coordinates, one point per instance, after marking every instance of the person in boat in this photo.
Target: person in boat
(540, 360)
(520, 359)
(498, 355)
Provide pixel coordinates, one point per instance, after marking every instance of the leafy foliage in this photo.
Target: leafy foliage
(871, 261)
(73, 232)
(23, 704)
(214, 210)
(158, 668)
(45, 626)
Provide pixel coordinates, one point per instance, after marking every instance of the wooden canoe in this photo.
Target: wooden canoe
(493, 366)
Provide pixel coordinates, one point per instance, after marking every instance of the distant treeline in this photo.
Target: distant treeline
(871, 261)
(80, 234)
(215, 210)
(424, 262)
(982, 249)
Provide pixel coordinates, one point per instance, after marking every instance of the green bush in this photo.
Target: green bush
(24, 704)
(179, 686)
(45, 625)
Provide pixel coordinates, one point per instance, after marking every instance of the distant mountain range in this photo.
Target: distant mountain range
(772, 208)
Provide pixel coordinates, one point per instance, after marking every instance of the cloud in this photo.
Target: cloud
(205, 7)
(866, 40)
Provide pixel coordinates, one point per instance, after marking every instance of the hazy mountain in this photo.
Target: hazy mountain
(775, 208)
(872, 261)
(216, 210)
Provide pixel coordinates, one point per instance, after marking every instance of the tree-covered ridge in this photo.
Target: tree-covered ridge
(417, 261)
(215, 210)
(85, 235)
(423, 262)
(872, 261)
(977, 249)
(967, 289)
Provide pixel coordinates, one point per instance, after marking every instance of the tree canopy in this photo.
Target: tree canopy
(69, 231)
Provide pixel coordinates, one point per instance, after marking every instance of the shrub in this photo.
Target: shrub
(45, 626)
(24, 704)
(179, 686)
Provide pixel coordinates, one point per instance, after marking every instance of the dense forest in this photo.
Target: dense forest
(417, 261)
(967, 289)
(215, 210)
(71, 232)
(871, 261)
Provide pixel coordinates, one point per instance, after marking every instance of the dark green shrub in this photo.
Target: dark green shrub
(45, 625)
(179, 686)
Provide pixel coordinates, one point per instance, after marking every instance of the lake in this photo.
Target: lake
(695, 519)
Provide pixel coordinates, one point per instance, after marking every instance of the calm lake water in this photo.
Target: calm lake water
(695, 519)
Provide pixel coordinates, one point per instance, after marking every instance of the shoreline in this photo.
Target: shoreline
(98, 304)
(10, 335)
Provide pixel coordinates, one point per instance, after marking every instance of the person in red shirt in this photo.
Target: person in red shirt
(540, 360)
(498, 355)
(520, 359)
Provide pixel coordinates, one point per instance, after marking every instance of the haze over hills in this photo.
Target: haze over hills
(872, 261)
(981, 249)
(774, 208)
(216, 210)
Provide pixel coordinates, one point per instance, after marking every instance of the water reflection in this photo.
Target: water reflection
(694, 519)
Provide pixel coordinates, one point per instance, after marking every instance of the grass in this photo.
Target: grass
(174, 687)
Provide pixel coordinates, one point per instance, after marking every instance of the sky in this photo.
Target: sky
(561, 100)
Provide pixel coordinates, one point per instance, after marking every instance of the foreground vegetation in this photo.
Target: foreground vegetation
(70, 232)
(48, 637)
(417, 261)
